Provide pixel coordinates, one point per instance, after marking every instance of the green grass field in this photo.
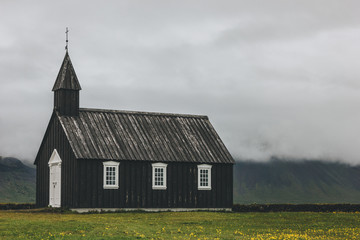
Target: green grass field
(180, 225)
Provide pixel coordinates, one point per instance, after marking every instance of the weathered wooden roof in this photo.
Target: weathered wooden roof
(66, 78)
(126, 135)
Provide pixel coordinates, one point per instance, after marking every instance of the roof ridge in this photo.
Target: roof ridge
(143, 113)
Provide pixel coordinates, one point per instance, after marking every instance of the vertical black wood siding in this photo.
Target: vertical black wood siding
(55, 138)
(82, 181)
(135, 187)
(66, 102)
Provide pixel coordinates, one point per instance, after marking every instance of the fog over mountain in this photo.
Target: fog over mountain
(276, 78)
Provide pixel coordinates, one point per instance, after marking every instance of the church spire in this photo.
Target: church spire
(66, 89)
(66, 78)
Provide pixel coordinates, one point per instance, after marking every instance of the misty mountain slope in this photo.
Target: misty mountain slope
(276, 181)
(17, 181)
(280, 181)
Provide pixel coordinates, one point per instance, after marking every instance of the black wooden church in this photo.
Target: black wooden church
(109, 159)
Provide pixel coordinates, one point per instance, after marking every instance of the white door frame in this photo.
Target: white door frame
(55, 180)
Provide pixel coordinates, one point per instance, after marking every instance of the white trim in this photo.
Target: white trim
(55, 180)
(159, 166)
(208, 168)
(111, 164)
(55, 158)
(84, 210)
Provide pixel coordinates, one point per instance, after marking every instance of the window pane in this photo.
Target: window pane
(204, 177)
(110, 175)
(159, 176)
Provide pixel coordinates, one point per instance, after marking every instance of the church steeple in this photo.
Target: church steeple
(66, 89)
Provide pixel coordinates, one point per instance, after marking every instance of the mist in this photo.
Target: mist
(276, 79)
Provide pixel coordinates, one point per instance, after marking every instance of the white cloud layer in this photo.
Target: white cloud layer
(276, 78)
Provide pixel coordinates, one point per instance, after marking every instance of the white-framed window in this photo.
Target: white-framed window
(111, 175)
(204, 177)
(159, 176)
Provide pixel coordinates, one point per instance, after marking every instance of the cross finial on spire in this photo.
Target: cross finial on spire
(67, 40)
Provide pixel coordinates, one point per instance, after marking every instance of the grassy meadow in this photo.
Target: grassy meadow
(33, 224)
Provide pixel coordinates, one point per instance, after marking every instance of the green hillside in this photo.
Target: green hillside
(280, 181)
(276, 181)
(17, 181)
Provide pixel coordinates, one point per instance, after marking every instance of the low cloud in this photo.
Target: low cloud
(275, 79)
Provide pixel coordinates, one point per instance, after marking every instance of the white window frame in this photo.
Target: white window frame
(159, 166)
(208, 168)
(111, 164)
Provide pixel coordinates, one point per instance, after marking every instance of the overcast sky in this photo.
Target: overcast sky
(276, 78)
